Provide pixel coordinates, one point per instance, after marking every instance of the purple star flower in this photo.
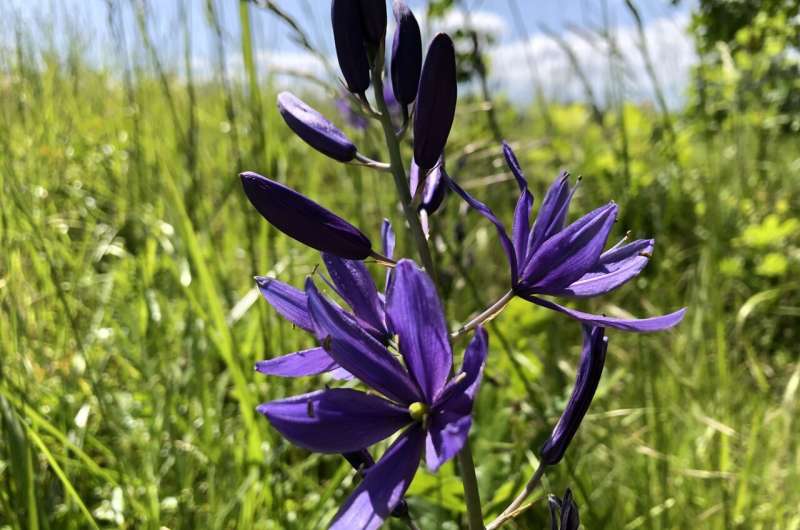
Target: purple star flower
(416, 396)
(353, 283)
(557, 260)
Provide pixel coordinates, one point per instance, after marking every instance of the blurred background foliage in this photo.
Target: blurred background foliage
(129, 322)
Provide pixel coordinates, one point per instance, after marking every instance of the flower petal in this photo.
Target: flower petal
(637, 325)
(417, 318)
(614, 268)
(485, 211)
(520, 231)
(354, 283)
(568, 255)
(298, 364)
(289, 302)
(552, 213)
(358, 352)
(451, 417)
(593, 358)
(303, 219)
(384, 486)
(335, 421)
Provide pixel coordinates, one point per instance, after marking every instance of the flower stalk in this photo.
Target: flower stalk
(488, 314)
(513, 509)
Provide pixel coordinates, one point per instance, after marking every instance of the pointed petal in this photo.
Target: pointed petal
(521, 229)
(643, 325)
(384, 486)
(289, 302)
(451, 417)
(484, 210)
(614, 268)
(417, 318)
(568, 255)
(335, 421)
(301, 363)
(387, 238)
(358, 352)
(553, 212)
(593, 358)
(354, 283)
(303, 219)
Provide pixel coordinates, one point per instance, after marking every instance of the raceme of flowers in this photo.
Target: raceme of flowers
(393, 341)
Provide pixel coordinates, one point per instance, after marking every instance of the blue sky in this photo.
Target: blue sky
(522, 56)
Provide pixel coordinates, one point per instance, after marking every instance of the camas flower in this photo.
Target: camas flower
(564, 513)
(433, 411)
(353, 283)
(557, 260)
(593, 358)
(303, 219)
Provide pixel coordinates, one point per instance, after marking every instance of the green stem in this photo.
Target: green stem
(468, 478)
(401, 181)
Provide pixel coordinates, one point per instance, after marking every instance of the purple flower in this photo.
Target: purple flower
(434, 189)
(353, 283)
(416, 396)
(349, 37)
(436, 102)
(315, 129)
(557, 260)
(590, 369)
(406, 54)
(568, 519)
(303, 219)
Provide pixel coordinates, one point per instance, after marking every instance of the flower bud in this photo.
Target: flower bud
(373, 20)
(435, 189)
(303, 219)
(348, 35)
(590, 369)
(436, 102)
(406, 54)
(564, 513)
(315, 129)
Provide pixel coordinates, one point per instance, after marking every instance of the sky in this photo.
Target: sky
(524, 55)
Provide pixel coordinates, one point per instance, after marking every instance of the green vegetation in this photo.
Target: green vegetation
(129, 323)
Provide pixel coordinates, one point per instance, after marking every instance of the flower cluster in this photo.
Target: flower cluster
(396, 344)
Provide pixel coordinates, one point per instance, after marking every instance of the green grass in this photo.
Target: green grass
(129, 325)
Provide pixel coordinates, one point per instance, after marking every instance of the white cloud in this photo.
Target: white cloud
(515, 65)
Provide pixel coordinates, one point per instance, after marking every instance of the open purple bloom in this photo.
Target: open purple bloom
(315, 129)
(353, 283)
(303, 219)
(564, 513)
(593, 357)
(556, 259)
(417, 396)
(436, 101)
(406, 54)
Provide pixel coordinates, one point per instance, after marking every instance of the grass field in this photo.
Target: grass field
(129, 323)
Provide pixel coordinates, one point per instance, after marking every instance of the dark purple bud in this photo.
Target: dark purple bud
(361, 461)
(436, 102)
(569, 518)
(351, 50)
(303, 219)
(315, 129)
(406, 54)
(373, 19)
(435, 189)
(590, 369)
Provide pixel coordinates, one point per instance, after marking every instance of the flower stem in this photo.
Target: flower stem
(488, 314)
(514, 508)
(468, 478)
(400, 179)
